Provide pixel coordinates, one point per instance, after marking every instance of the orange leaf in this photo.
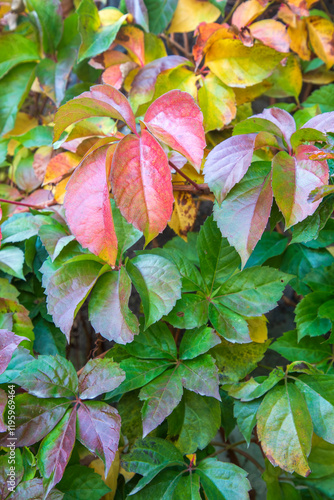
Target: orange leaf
(298, 37)
(60, 165)
(246, 13)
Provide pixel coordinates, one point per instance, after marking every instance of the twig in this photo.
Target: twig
(229, 15)
(35, 207)
(176, 45)
(250, 458)
(186, 42)
(193, 183)
(204, 188)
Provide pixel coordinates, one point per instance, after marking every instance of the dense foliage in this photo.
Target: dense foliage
(138, 365)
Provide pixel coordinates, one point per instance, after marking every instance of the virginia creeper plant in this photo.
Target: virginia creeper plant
(165, 182)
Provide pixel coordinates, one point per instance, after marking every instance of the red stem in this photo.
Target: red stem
(36, 207)
(193, 183)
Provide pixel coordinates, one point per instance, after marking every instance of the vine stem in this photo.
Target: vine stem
(204, 188)
(193, 183)
(36, 207)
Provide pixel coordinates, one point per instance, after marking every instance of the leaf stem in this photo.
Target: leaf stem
(229, 15)
(35, 207)
(193, 183)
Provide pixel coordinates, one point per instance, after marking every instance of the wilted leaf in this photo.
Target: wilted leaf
(184, 213)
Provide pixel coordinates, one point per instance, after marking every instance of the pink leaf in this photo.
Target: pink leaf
(101, 100)
(282, 119)
(98, 429)
(324, 122)
(175, 119)
(227, 163)
(99, 376)
(272, 33)
(56, 448)
(87, 206)
(293, 180)
(244, 214)
(141, 181)
(8, 344)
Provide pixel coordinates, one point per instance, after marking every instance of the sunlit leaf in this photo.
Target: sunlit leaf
(190, 13)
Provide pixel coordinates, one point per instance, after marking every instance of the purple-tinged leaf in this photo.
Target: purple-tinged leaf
(3, 403)
(7, 479)
(324, 122)
(142, 88)
(99, 376)
(200, 375)
(139, 11)
(34, 490)
(282, 119)
(109, 312)
(68, 288)
(100, 100)
(49, 377)
(8, 343)
(55, 450)
(247, 208)
(98, 428)
(175, 119)
(293, 180)
(227, 163)
(160, 398)
(87, 205)
(141, 182)
(35, 418)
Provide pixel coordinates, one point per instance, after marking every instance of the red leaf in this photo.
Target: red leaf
(56, 448)
(203, 32)
(8, 343)
(282, 119)
(101, 100)
(87, 205)
(98, 429)
(324, 122)
(293, 180)
(272, 33)
(244, 214)
(175, 119)
(132, 39)
(99, 376)
(227, 163)
(141, 181)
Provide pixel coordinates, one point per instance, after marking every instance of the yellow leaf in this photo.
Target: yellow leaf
(154, 48)
(190, 172)
(109, 15)
(60, 190)
(192, 458)
(111, 479)
(59, 165)
(190, 13)
(319, 77)
(240, 66)
(246, 13)
(298, 39)
(23, 124)
(250, 93)
(321, 33)
(184, 213)
(217, 103)
(286, 80)
(258, 330)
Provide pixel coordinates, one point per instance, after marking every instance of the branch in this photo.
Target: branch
(176, 45)
(193, 183)
(35, 207)
(203, 188)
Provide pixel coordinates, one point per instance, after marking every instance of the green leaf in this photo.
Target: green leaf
(54, 238)
(160, 13)
(127, 235)
(307, 319)
(191, 311)
(323, 97)
(138, 373)
(67, 290)
(270, 245)
(156, 342)
(223, 481)
(108, 310)
(94, 37)
(253, 388)
(245, 413)
(11, 261)
(321, 280)
(312, 350)
(160, 398)
(14, 88)
(253, 291)
(217, 102)
(285, 429)
(188, 487)
(193, 413)
(229, 324)
(318, 393)
(309, 228)
(15, 49)
(21, 227)
(228, 421)
(36, 137)
(235, 361)
(200, 375)
(46, 16)
(55, 450)
(49, 339)
(20, 359)
(158, 282)
(79, 481)
(49, 376)
(218, 260)
(196, 342)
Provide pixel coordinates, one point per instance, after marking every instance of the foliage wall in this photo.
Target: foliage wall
(118, 124)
